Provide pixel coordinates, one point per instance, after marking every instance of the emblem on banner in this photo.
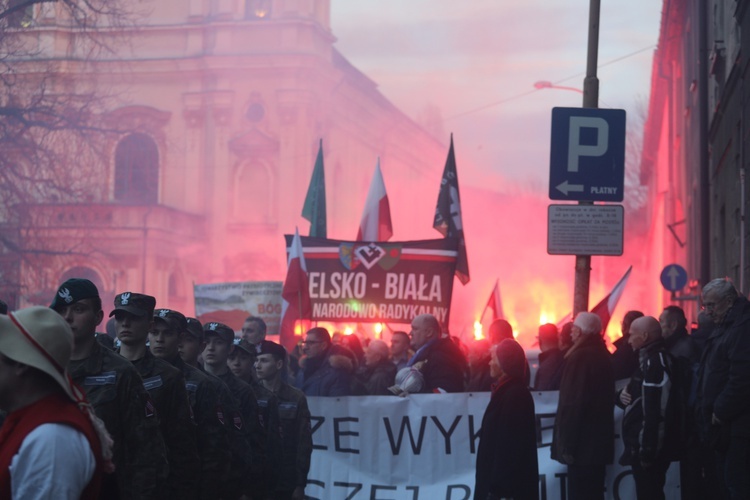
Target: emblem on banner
(391, 256)
(369, 255)
(347, 256)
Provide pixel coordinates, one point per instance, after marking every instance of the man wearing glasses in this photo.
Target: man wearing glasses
(723, 412)
(325, 370)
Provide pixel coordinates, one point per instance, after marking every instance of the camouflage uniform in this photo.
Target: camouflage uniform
(115, 390)
(289, 436)
(204, 394)
(166, 385)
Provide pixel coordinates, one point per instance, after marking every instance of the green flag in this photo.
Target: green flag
(314, 209)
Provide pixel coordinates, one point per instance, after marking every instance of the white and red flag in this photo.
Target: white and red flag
(376, 218)
(494, 304)
(606, 307)
(295, 293)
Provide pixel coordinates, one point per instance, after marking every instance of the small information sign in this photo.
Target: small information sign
(585, 229)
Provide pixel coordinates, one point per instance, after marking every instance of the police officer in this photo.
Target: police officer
(289, 431)
(204, 393)
(133, 320)
(116, 392)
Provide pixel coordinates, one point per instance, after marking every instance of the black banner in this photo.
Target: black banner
(380, 281)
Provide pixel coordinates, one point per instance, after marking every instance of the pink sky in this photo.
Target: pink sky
(460, 56)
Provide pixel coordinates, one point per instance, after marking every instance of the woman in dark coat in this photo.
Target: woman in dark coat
(506, 457)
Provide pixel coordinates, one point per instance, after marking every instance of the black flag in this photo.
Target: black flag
(448, 214)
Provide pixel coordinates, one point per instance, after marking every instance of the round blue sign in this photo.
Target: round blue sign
(674, 277)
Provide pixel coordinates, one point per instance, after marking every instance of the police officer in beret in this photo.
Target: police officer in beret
(289, 431)
(134, 313)
(204, 393)
(115, 390)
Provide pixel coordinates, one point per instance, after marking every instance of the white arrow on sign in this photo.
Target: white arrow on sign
(672, 274)
(566, 188)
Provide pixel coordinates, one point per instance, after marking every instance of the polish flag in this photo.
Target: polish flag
(495, 304)
(376, 219)
(606, 307)
(295, 294)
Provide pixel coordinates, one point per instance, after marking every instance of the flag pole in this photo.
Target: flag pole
(299, 308)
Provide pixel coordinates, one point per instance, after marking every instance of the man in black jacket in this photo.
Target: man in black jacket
(443, 365)
(651, 439)
(722, 407)
(583, 437)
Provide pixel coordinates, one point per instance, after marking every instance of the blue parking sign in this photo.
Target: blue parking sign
(587, 154)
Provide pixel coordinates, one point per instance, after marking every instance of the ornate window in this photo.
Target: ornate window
(137, 170)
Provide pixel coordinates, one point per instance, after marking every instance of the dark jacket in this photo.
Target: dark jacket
(166, 385)
(724, 378)
(480, 379)
(115, 390)
(212, 435)
(624, 360)
(377, 379)
(445, 366)
(255, 453)
(646, 430)
(549, 374)
(328, 375)
(289, 436)
(682, 345)
(584, 425)
(507, 456)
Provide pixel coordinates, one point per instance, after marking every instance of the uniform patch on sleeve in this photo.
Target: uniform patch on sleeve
(220, 414)
(237, 420)
(150, 408)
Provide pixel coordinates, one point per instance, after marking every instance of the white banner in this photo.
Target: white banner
(231, 303)
(424, 447)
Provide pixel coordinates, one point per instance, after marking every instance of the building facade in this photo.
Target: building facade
(695, 145)
(217, 109)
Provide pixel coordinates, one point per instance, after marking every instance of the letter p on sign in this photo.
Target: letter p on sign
(587, 154)
(576, 149)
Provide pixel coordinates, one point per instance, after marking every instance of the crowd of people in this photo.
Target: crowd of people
(168, 407)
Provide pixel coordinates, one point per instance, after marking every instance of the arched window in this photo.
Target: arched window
(137, 170)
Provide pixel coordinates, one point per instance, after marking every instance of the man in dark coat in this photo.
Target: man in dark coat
(507, 464)
(624, 360)
(378, 373)
(551, 360)
(583, 437)
(723, 398)
(325, 369)
(443, 366)
(685, 350)
(480, 379)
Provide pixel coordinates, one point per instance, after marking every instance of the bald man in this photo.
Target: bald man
(444, 367)
(649, 433)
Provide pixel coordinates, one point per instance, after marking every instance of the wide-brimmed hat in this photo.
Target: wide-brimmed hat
(39, 337)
